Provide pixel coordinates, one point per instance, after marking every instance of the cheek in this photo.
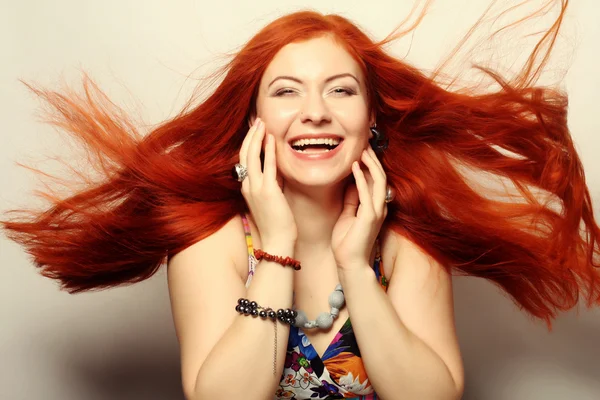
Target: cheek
(355, 123)
(277, 118)
(352, 113)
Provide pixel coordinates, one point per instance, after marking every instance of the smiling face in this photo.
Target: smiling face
(313, 100)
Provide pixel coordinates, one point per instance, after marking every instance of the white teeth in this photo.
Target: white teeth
(304, 142)
(302, 151)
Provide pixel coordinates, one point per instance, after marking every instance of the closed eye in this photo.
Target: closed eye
(342, 90)
(284, 92)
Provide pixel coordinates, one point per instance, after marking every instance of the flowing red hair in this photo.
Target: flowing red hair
(166, 190)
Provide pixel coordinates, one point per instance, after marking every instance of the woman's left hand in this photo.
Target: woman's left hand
(364, 211)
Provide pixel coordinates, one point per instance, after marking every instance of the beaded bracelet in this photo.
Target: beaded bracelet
(285, 261)
(284, 315)
(287, 316)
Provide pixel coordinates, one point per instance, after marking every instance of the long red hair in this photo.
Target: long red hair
(166, 190)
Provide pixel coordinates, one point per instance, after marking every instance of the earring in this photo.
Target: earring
(379, 142)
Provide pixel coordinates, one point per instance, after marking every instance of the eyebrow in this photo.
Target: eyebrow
(331, 78)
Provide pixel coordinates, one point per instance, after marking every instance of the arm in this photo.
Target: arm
(225, 355)
(407, 338)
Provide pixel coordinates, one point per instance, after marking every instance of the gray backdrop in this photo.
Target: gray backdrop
(120, 344)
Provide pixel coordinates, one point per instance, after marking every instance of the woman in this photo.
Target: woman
(312, 112)
(343, 127)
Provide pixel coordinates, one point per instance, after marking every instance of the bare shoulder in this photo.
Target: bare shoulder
(229, 240)
(395, 245)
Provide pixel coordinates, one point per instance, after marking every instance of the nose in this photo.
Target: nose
(314, 109)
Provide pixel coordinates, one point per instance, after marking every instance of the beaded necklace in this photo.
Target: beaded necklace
(324, 320)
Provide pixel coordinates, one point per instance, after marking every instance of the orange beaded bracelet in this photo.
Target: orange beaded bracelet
(285, 261)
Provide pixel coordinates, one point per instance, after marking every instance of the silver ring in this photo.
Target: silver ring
(389, 194)
(239, 172)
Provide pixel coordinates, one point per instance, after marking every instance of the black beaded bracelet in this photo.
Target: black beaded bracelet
(284, 315)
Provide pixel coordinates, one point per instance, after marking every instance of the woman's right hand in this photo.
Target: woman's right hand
(264, 196)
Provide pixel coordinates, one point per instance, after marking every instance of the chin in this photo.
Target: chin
(317, 178)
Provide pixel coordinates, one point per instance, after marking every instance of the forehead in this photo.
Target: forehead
(315, 59)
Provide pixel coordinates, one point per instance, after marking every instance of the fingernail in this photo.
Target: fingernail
(259, 123)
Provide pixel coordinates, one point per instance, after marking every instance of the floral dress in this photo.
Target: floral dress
(339, 373)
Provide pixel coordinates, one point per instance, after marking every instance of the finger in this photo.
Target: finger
(368, 178)
(366, 202)
(350, 201)
(254, 168)
(379, 182)
(246, 144)
(376, 159)
(270, 169)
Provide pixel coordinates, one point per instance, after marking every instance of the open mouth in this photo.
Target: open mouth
(317, 145)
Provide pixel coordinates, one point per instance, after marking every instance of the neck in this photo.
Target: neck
(316, 211)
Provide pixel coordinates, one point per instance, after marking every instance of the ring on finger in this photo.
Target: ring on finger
(239, 172)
